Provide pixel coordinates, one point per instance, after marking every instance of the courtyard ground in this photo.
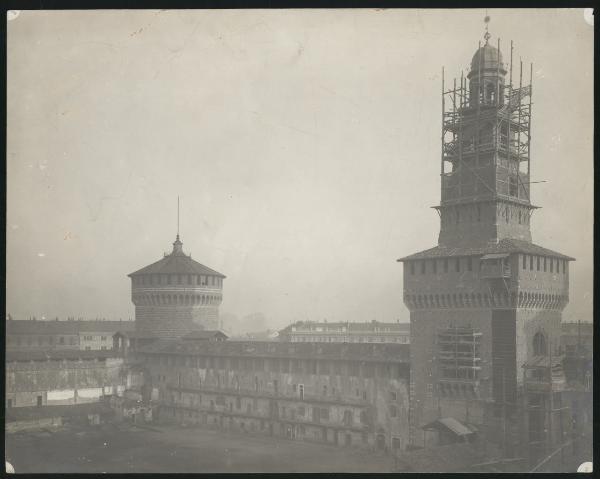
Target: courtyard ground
(126, 449)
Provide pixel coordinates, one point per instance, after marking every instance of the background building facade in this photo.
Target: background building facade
(63, 335)
(61, 378)
(343, 394)
(340, 332)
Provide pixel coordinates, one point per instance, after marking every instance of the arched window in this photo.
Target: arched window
(539, 344)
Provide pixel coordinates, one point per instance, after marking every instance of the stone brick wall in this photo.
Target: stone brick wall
(173, 311)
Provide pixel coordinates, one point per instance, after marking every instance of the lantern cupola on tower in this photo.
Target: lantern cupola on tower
(178, 247)
(486, 77)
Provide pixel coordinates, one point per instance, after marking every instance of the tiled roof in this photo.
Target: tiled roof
(451, 424)
(177, 263)
(66, 327)
(57, 354)
(543, 361)
(503, 246)
(346, 351)
(137, 334)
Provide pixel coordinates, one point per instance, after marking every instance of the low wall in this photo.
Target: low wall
(32, 424)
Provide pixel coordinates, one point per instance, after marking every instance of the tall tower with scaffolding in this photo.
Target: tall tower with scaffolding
(485, 303)
(485, 161)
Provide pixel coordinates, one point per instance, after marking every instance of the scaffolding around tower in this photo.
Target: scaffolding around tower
(507, 107)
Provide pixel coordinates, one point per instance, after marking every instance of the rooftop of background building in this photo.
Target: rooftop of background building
(58, 354)
(346, 351)
(366, 326)
(66, 327)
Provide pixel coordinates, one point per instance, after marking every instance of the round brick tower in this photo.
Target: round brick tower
(176, 295)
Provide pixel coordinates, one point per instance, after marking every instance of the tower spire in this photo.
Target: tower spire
(177, 245)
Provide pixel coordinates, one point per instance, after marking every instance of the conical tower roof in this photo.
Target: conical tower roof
(177, 262)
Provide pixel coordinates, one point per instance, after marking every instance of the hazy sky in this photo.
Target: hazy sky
(304, 145)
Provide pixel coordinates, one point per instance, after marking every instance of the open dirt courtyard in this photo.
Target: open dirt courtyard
(166, 449)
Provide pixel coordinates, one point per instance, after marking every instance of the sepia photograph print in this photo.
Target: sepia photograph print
(299, 241)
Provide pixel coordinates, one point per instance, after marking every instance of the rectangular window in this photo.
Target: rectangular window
(435, 266)
(412, 267)
(445, 265)
(457, 265)
(552, 265)
(544, 264)
(423, 263)
(393, 395)
(296, 368)
(470, 263)
(524, 261)
(531, 262)
(393, 411)
(348, 418)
